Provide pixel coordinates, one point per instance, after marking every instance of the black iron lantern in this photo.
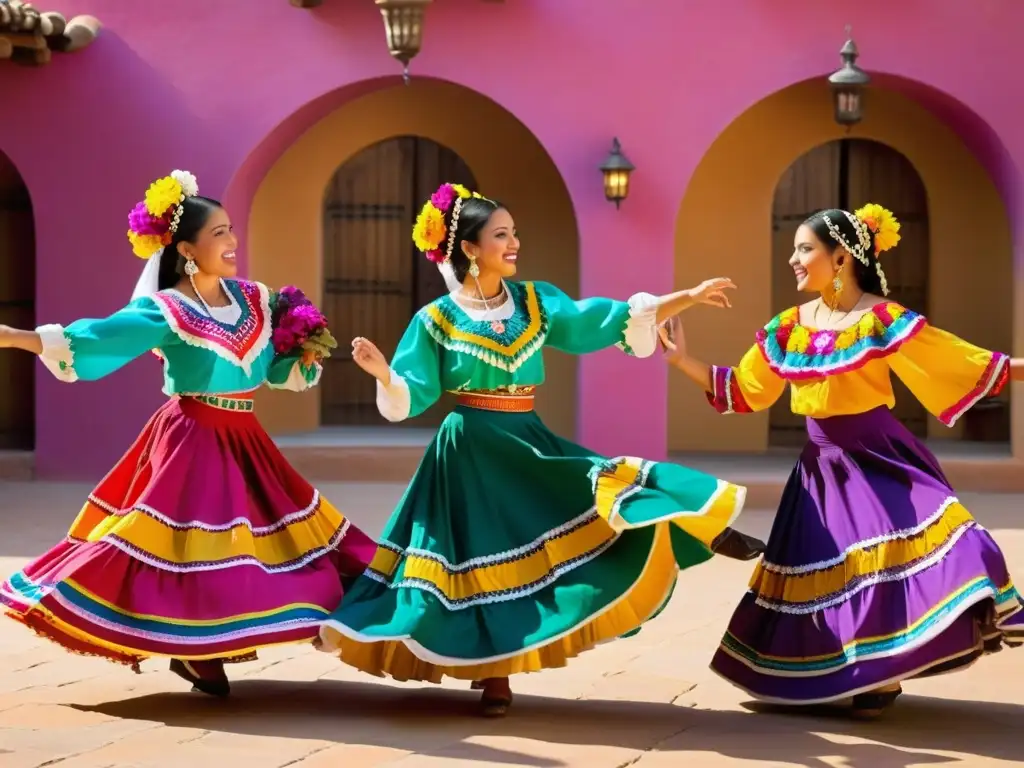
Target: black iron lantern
(848, 83)
(403, 25)
(616, 169)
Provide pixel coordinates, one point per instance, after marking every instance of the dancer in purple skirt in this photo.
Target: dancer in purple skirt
(874, 572)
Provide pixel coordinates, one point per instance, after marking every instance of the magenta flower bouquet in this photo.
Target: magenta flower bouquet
(298, 326)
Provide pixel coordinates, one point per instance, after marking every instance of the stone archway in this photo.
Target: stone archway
(285, 240)
(374, 279)
(17, 308)
(726, 217)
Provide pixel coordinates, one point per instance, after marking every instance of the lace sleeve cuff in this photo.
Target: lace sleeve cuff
(725, 395)
(640, 337)
(394, 401)
(301, 377)
(57, 354)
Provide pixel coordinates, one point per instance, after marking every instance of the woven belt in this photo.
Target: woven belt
(241, 404)
(503, 403)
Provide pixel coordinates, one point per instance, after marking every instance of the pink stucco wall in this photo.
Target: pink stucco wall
(219, 88)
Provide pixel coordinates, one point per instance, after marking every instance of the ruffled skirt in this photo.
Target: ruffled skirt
(874, 574)
(201, 543)
(514, 550)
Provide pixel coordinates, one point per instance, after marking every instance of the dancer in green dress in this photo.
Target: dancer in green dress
(513, 549)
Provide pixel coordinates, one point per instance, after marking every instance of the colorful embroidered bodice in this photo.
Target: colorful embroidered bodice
(202, 354)
(447, 348)
(833, 373)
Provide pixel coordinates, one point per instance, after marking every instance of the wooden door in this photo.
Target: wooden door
(880, 174)
(809, 185)
(374, 278)
(17, 309)
(846, 174)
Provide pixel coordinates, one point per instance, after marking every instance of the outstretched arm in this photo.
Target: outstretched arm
(593, 324)
(748, 387)
(1017, 368)
(15, 338)
(90, 349)
(948, 375)
(709, 292)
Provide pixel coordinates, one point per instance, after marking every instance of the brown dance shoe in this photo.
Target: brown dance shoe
(206, 676)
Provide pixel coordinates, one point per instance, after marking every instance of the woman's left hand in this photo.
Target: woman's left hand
(673, 342)
(712, 292)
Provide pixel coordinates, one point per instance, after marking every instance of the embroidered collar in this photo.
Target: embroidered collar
(794, 351)
(506, 344)
(476, 311)
(241, 342)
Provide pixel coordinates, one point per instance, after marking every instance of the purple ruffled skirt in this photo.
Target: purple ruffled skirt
(874, 573)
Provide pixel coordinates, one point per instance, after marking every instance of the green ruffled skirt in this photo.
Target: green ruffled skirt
(514, 550)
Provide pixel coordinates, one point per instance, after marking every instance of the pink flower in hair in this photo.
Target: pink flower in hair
(142, 222)
(436, 255)
(443, 198)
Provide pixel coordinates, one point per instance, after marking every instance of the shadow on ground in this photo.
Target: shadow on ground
(443, 723)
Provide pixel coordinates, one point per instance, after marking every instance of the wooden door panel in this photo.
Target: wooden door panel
(808, 185)
(366, 288)
(17, 308)
(880, 174)
(373, 277)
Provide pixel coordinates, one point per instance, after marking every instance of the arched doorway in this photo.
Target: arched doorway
(846, 174)
(374, 279)
(522, 175)
(17, 308)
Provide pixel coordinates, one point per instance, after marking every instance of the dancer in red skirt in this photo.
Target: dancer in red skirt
(202, 544)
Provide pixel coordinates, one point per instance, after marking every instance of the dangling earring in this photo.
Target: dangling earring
(474, 270)
(837, 288)
(191, 268)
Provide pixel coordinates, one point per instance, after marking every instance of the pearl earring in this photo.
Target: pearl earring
(191, 268)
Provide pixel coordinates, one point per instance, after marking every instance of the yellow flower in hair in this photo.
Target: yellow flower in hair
(144, 246)
(429, 230)
(462, 192)
(162, 194)
(882, 224)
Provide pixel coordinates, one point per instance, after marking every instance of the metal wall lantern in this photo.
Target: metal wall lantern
(616, 169)
(403, 25)
(848, 83)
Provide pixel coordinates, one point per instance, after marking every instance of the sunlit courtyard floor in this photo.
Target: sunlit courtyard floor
(649, 701)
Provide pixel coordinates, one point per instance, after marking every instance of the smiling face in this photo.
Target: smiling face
(497, 250)
(814, 266)
(214, 246)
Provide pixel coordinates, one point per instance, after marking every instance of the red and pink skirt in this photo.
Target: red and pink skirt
(201, 543)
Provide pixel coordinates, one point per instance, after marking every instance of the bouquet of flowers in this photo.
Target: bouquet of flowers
(300, 327)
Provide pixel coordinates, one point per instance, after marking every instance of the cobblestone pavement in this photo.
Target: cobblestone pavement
(649, 700)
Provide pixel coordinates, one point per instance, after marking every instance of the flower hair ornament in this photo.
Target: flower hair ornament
(871, 219)
(429, 232)
(153, 222)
